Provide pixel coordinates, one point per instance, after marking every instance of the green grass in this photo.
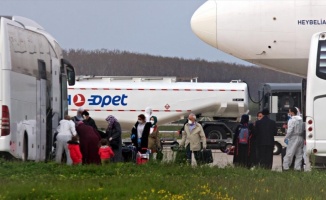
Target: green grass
(32, 180)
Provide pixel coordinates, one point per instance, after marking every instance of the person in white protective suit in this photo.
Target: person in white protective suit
(66, 130)
(294, 137)
(148, 113)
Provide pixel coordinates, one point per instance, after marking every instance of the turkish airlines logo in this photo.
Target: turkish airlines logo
(79, 100)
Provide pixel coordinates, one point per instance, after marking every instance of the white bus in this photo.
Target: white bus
(316, 101)
(33, 88)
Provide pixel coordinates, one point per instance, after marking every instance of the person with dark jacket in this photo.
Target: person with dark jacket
(265, 130)
(88, 120)
(140, 133)
(242, 150)
(253, 152)
(113, 133)
(182, 128)
(89, 140)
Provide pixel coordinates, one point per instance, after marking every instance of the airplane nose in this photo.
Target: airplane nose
(203, 23)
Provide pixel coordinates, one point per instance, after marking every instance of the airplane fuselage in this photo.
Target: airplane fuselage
(272, 34)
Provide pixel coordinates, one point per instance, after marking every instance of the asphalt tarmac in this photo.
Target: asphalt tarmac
(220, 159)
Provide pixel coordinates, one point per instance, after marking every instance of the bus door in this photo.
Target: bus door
(41, 97)
(56, 115)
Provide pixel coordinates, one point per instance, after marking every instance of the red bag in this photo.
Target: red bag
(142, 158)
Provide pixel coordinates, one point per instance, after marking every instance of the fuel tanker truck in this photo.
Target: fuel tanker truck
(220, 104)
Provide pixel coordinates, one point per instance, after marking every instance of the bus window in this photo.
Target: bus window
(321, 60)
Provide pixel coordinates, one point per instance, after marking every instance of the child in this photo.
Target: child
(74, 150)
(105, 151)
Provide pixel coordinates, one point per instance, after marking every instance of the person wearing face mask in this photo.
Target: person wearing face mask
(154, 143)
(192, 138)
(295, 139)
(265, 129)
(140, 132)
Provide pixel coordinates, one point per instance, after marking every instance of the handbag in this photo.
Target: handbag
(181, 156)
(206, 156)
(159, 155)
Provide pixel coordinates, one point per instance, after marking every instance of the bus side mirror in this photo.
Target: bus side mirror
(70, 71)
(71, 77)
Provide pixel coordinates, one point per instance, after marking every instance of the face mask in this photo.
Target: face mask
(189, 122)
(152, 122)
(140, 121)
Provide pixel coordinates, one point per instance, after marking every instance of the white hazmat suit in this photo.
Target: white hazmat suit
(295, 143)
(66, 130)
(148, 113)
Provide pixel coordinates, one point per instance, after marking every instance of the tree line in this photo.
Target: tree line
(104, 62)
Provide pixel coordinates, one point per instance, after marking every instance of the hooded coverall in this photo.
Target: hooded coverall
(295, 145)
(66, 130)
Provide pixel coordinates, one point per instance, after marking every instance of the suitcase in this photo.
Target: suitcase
(206, 156)
(129, 153)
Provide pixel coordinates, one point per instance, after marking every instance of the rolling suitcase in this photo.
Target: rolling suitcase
(129, 153)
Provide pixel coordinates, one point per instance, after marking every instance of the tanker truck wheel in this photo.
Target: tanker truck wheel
(215, 132)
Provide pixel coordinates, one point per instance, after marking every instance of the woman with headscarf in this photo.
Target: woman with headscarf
(241, 142)
(88, 140)
(79, 116)
(113, 132)
(154, 143)
(140, 133)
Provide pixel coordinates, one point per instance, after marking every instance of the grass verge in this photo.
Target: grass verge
(32, 180)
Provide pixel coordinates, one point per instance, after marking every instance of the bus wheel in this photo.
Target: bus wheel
(277, 148)
(25, 148)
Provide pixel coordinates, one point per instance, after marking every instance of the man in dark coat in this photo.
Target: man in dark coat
(265, 131)
(89, 143)
(88, 120)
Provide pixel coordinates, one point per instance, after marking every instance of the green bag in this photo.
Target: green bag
(159, 155)
(181, 156)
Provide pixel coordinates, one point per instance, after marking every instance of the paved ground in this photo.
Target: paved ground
(221, 159)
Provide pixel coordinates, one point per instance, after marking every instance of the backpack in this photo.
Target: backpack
(243, 135)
